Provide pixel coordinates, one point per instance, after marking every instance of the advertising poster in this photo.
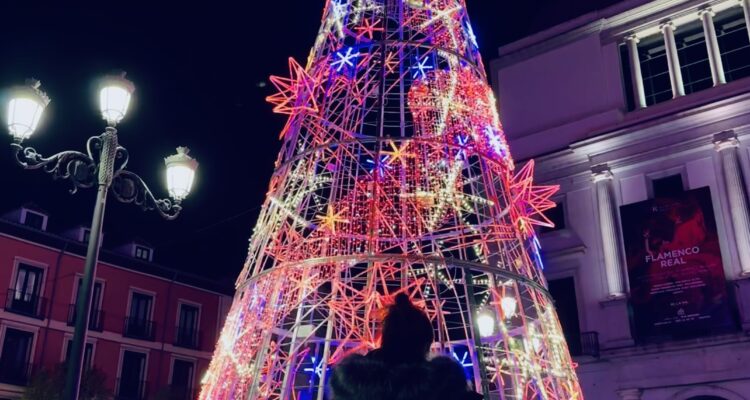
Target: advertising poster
(676, 276)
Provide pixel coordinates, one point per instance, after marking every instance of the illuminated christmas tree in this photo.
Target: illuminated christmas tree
(394, 176)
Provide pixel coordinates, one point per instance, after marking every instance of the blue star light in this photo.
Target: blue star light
(380, 166)
(470, 33)
(497, 145)
(462, 141)
(420, 70)
(345, 57)
(316, 369)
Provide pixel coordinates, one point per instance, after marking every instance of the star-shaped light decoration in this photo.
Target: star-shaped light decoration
(398, 153)
(345, 58)
(368, 29)
(380, 166)
(331, 218)
(529, 201)
(295, 94)
(419, 70)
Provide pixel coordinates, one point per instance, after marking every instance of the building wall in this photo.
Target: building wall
(62, 271)
(564, 101)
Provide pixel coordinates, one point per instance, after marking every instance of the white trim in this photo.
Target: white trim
(180, 302)
(68, 340)
(134, 289)
(191, 360)
(74, 292)
(17, 260)
(25, 212)
(144, 373)
(57, 250)
(34, 331)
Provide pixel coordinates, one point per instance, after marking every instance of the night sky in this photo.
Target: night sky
(201, 81)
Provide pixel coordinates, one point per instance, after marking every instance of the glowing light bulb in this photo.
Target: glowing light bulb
(486, 324)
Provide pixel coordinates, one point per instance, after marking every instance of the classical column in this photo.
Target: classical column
(726, 145)
(639, 94)
(712, 45)
(630, 394)
(673, 60)
(746, 6)
(608, 229)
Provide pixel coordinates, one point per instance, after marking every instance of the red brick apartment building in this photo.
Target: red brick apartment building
(152, 329)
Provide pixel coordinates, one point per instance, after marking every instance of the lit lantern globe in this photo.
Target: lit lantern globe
(486, 324)
(509, 305)
(25, 110)
(114, 98)
(180, 173)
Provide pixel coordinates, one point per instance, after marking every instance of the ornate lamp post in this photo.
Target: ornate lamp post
(102, 165)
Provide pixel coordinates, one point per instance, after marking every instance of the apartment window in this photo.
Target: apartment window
(24, 296)
(87, 354)
(182, 379)
(187, 326)
(132, 385)
(654, 69)
(557, 216)
(563, 291)
(15, 359)
(143, 253)
(34, 219)
(96, 315)
(734, 44)
(669, 186)
(693, 54)
(86, 235)
(138, 323)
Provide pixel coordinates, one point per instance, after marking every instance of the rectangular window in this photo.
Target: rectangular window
(96, 316)
(34, 219)
(187, 326)
(138, 324)
(693, 54)
(182, 379)
(143, 253)
(86, 235)
(557, 216)
(563, 291)
(669, 186)
(734, 44)
(131, 384)
(654, 69)
(87, 354)
(25, 295)
(15, 359)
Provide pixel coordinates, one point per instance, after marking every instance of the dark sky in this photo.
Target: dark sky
(197, 71)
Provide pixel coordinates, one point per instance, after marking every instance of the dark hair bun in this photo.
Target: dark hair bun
(402, 300)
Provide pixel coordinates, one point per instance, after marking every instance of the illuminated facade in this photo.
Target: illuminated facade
(394, 176)
(634, 109)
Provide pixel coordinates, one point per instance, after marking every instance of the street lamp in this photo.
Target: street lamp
(102, 165)
(25, 110)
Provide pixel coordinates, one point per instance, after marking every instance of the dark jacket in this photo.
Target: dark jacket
(372, 378)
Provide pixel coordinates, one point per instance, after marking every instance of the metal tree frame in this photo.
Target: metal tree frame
(394, 176)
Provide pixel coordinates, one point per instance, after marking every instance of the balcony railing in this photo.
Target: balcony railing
(25, 303)
(138, 328)
(13, 373)
(128, 390)
(187, 337)
(181, 393)
(96, 319)
(590, 344)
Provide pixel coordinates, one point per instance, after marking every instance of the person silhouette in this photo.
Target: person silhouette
(401, 368)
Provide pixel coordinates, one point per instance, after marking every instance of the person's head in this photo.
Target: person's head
(407, 332)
